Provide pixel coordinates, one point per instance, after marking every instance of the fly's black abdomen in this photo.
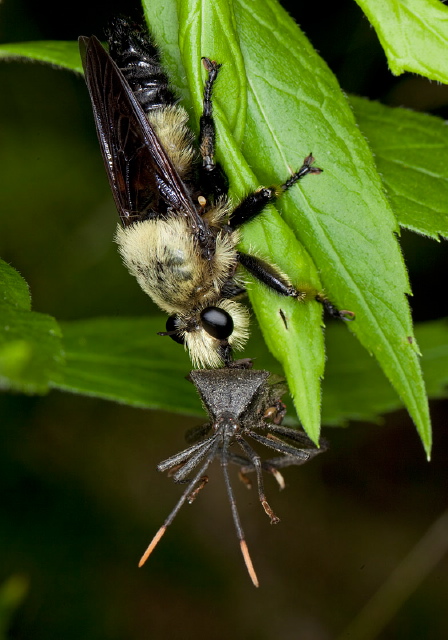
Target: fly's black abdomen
(139, 60)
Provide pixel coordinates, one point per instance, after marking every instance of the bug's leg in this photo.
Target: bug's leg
(268, 466)
(235, 514)
(213, 179)
(255, 202)
(272, 469)
(256, 463)
(207, 132)
(231, 289)
(246, 467)
(296, 436)
(271, 441)
(180, 471)
(275, 413)
(272, 278)
(243, 463)
(194, 494)
(226, 353)
(252, 206)
(189, 492)
(268, 275)
(332, 310)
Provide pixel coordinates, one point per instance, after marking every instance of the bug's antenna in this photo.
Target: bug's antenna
(198, 479)
(182, 456)
(235, 515)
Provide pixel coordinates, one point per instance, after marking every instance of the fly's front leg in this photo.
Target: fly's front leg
(213, 178)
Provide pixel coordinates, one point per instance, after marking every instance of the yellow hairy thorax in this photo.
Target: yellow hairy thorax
(163, 255)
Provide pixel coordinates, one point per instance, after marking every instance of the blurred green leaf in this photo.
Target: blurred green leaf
(12, 594)
(411, 154)
(413, 34)
(30, 345)
(58, 53)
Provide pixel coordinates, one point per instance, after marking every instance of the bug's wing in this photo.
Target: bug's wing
(142, 177)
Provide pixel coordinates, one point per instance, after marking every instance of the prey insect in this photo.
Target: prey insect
(241, 404)
(179, 232)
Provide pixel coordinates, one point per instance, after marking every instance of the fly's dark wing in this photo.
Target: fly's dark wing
(142, 177)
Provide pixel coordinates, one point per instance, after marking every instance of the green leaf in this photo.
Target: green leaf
(354, 386)
(55, 52)
(30, 345)
(342, 217)
(413, 34)
(433, 339)
(408, 166)
(199, 24)
(14, 290)
(411, 154)
(165, 29)
(123, 359)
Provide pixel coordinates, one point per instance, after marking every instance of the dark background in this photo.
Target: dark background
(80, 494)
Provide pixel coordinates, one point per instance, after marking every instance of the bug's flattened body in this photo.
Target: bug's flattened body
(241, 404)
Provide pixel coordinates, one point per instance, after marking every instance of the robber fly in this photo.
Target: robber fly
(179, 232)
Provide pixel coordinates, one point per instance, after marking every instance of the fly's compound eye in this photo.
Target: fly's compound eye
(217, 322)
(172, 330)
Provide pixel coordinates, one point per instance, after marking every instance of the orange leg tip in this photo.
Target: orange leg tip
(151, 546)
(248, 562)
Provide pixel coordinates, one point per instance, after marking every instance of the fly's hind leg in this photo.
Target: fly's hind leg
(272, 278)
